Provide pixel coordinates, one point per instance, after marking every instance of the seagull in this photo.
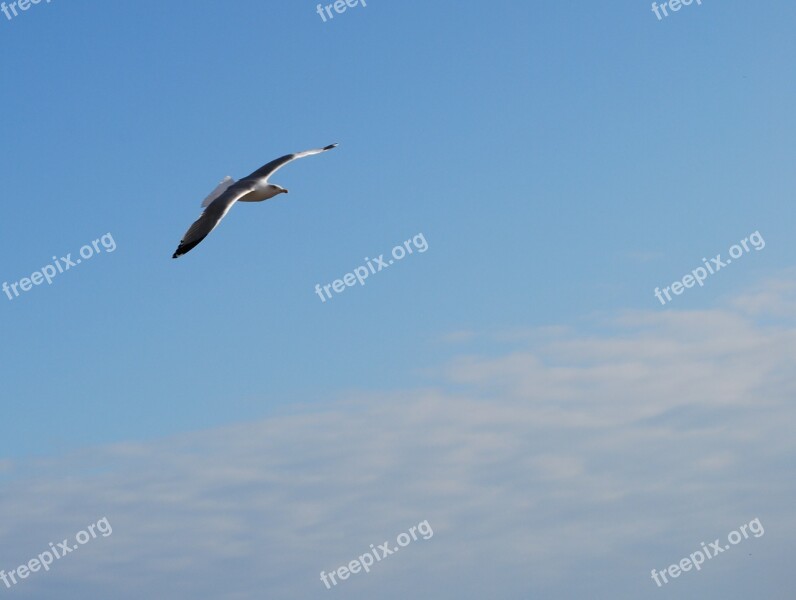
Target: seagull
(252, 188)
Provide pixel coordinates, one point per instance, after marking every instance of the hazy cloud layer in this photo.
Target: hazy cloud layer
(566, 467)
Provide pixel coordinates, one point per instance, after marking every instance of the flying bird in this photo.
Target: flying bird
(252, 188)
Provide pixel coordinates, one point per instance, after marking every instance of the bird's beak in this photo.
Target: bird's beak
(285, 191)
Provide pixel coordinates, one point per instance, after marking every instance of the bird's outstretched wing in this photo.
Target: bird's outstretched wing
(211, 217)
(269, 169)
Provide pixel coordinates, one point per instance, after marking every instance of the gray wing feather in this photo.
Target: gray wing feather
(272, 167)
(211, 217)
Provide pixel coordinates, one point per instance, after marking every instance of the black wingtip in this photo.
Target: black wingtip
(330, 146)
(186, 248)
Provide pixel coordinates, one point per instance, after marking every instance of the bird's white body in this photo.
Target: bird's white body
(262, 191)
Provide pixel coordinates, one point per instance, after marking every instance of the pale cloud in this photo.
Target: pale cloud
(775, 298)
(566, 469)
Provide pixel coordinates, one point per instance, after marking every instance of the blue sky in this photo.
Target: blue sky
(562, 161)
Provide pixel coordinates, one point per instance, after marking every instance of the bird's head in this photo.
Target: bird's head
(272, 190)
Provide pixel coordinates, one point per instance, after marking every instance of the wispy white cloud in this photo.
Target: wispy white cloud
(568, 468)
